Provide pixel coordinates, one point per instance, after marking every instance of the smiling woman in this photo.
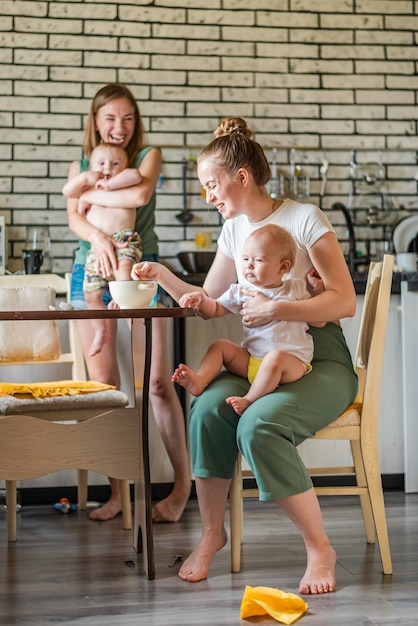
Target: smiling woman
(115, 119)
(234, 170)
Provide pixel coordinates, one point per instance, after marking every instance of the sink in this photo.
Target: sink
(196, 261)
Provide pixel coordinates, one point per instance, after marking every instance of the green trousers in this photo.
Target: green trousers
(269, 431)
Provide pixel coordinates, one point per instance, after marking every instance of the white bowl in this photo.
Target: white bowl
(133, 294)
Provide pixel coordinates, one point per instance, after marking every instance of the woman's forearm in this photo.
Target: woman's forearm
(325, 307)
(174, 285)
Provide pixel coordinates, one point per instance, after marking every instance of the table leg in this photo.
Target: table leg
(179, 353)
(143, 538)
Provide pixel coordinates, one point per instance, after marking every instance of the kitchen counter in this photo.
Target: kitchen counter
(411, 280)
(360, 280)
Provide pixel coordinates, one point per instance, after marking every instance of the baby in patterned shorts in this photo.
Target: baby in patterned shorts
(109, 171)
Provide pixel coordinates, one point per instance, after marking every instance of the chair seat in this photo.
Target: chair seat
(10, 405)
(350, 417)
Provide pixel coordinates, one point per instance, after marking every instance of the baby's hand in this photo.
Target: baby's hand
(112, 306)
(190, 300)
(146, 270)
(83, 207)
(103, 183)
(315, 282)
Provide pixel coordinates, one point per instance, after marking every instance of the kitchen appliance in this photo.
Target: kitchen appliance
(3, 245)
(405, 234)
(36, 253)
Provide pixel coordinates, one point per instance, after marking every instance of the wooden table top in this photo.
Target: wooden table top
(75, 314)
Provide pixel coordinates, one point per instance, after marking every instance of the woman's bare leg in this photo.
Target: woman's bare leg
(112, 507)
(94, 300)
(103, 367)
(170, 422)
(304, 511)
(212, 494)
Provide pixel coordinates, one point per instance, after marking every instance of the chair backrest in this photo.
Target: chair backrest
(32, 343)
(372, 334)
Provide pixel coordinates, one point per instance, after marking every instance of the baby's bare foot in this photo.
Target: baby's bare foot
(238, 404)
(108, 511)
(171, 508)
(320, 572)
(196, 566)
(187, 378)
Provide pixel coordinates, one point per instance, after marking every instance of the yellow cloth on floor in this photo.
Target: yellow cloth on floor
(283, 607)
(55, 388)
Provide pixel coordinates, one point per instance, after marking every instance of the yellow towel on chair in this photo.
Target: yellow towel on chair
(283, 607)
(55, 388)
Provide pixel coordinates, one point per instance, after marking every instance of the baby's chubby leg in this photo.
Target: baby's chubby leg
(277, 367)
(221, 353)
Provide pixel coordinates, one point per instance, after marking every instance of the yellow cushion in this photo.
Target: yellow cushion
(55, 388)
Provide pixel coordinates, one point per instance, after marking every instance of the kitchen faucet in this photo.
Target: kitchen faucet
(352, 260)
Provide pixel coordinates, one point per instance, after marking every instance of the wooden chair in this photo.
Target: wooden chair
(358, 425)
(32, 435)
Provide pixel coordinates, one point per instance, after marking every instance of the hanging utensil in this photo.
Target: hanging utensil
(186, 216)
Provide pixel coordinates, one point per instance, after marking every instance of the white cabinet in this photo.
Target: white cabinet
(410, 386)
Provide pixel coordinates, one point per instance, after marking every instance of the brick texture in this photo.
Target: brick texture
(334, 80)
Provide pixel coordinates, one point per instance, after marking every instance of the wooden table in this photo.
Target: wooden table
(142, 528)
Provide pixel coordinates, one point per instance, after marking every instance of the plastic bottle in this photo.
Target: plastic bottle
(65, 506)
(160, 182)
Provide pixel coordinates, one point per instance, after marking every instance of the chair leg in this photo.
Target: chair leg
(126, 504)
(82, 489)
(366, 508)
(236, 517)
(11, 500)
(374, 481)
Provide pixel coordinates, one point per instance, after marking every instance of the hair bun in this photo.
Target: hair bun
(233, 126)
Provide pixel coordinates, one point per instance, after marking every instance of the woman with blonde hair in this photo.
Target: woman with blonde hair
(234, 172)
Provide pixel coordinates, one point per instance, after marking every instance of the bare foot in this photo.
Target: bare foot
(97, 344)
(188, 379)
(238, 404)
(196, 566)
(108, 511)
(171, 508)
(320, 572)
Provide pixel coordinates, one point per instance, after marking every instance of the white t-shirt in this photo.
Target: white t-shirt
(306, 222)
(281, 335)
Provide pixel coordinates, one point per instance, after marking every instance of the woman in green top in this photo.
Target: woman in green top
(115, 118)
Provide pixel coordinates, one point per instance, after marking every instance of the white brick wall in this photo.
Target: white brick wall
(329, 76)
